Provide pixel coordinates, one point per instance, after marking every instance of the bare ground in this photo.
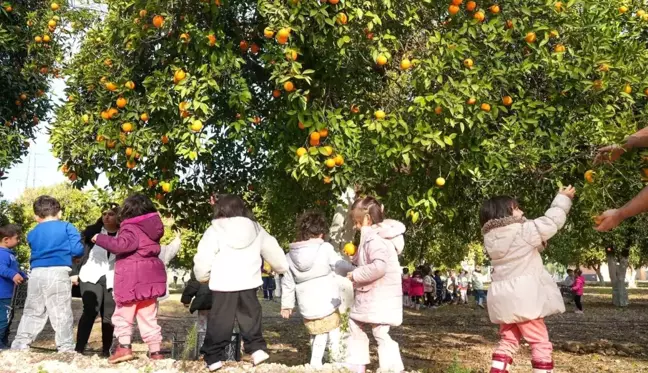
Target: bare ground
(605, 339)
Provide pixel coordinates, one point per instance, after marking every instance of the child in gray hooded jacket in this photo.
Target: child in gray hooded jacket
(310, 279)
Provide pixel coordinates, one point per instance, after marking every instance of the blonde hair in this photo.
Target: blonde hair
(368, 206)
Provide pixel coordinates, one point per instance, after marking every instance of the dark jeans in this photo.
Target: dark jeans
(577, 300)
(268, 287)
(5, 322)
(242, 306)
(97, 300)
(429, 299)
(480, 297)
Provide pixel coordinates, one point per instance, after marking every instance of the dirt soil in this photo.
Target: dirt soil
(453, 338)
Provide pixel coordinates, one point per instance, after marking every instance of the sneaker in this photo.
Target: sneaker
(122, 353)
(16, 347)
(259, 357)
(156, 356)
(482, 306)
(578, 312)
(214, 367)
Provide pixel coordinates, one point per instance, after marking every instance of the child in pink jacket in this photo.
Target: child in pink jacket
(577, 289)
(522, 292)
(416, 290)
(406, 281)
(378, 287)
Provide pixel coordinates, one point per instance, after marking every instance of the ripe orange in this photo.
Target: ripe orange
(131, 164)
(334, 2)
(289, 86)
(342, 19)
(268, 33)
(440, 181)
(144, 117)
(165, 139)
(276, 93)
(627, 88)
(457, 2)
(38, 39)
(112, 112)
(530, 37)
(51, 23)
(381, 60)
(152, 183)
(604, 67)
(554, 34)
(281, 40)
(471, 101)
(55, 7)
(485, 107)
(623, 9)
(597, 84)
(255, 48)
(327, 179)
(301, 152)
(159, 196)
(121, 102)
(438, 110)
(100, 138)
(8, 8)
(471, 5)
(129, 152)
(507, 100)
(350, 249)
(330, 163)
(509, 24)
(72, 176)
(468, 62)
(291, 55)
(315, 136)
(243, 45)
(301, 126)
(559, 48)
(130, 85)
(328, 150)
(23, 96)
(339, 160)
(405, 64)
(314, 142)
(184, 37)
(158, 21)
(179, 76)
(111, 86)
(211, 39)
(283, 33)
(142, 13)
(480, 16)
(379, 114)
(589, 176)
(355, 109)
(646, 91)
(127, 127)
(558, 6)
(453, 9)
(495, 9)
(46, 38)
(105, 115)
(323, 132)
(196, 125)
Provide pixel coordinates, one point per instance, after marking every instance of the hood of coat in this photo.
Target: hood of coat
(150, 224)
(499, 235)
(390, 229)
(304, 253)
(237, 232)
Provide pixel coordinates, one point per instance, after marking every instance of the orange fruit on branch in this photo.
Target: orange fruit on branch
(471, 5)
(130, 85)
(289, 86)
(323, 132)
(495, 9)
(243, 45)
(456, 2)
(283, 33)
(530, 37)
(379, 114)
(342, 19)
(315, 136)
(127, 127)
(507, 100)
(468, 62)
(381, 60)
(339, 160)
(158, 21)
(144, 117)
(196, 125)
(111, 86)
(268, 33)
(211, 39)
(480, 16)
(121, 102)
(485, 107)
(438, 110)
(559, 48)
(471, 101)
(405, 64)
(276, 93)
(330, 163)
(589, 176)
(627, 89)
(453, 9)
(54, 7)
(301, 152)
(184, 38)
(623, 9)
(164, 139)
(179, 76)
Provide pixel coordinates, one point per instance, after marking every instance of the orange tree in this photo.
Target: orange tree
(430, 105)
(32, 44)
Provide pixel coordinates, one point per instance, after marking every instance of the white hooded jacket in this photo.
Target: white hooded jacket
(230, 255)
(311, 278)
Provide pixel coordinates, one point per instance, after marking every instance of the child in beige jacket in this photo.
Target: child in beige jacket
(522, 292)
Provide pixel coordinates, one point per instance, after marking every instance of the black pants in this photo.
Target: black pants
(97, 300)
(429, 299)
(268, 287)
(577, 300)
(242, 306)
(416, 299)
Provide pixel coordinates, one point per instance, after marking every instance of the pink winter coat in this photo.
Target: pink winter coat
(416, 287)
(579, 285)
(406, 284)
(521, 288)
(377, 279)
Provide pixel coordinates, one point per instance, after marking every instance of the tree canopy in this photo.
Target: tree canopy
(429, 105)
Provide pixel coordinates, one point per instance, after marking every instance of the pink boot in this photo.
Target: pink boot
(501, 363)
(542, 366)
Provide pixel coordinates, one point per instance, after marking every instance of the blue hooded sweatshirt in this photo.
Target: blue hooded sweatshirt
(8, 269)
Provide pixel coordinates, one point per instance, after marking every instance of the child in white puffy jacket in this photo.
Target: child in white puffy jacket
(312, 264)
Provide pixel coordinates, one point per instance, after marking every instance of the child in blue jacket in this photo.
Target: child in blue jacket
(10, 275)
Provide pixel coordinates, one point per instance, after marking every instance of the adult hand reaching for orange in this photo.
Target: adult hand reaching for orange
(609, 154)
(608, 220)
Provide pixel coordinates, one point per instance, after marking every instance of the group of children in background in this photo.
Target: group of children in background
(424, 290)
(228, 271)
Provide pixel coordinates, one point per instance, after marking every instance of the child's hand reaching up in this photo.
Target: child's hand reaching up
(568, 191)
(286, 313)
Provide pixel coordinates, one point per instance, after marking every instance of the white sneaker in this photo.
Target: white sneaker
(259, 357)
(216, 366)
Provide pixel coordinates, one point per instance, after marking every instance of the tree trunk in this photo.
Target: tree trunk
(617, 277)
(599, 275)
(340, 234)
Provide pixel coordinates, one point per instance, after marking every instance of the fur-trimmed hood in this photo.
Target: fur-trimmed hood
(503, 222)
